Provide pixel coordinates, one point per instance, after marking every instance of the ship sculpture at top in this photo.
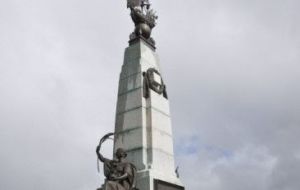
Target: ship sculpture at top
(144, 20)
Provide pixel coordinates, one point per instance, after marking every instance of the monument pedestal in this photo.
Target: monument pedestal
(143, 124)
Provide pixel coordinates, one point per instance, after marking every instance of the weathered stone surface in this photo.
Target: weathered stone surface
(143, 125)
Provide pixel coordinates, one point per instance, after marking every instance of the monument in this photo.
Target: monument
(143, 130)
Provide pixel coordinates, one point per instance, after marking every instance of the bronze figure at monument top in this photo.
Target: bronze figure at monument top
(144, 20)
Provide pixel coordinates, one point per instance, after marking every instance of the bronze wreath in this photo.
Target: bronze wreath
(150, 83)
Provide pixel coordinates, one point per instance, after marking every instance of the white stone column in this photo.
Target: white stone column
(143, 126)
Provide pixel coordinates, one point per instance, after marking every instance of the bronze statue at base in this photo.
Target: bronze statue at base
(120, 174)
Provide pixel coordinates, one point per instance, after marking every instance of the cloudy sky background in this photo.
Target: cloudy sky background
(232, 70)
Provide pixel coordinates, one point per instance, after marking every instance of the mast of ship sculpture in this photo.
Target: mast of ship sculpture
(143, 122)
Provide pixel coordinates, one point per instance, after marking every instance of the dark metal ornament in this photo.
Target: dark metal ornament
(106, 164)
(144, 20)
(120, 174)
(150, 83)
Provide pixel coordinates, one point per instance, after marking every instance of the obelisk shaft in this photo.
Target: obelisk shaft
(143, 125)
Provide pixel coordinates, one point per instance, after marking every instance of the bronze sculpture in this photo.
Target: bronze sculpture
(149, 83)
(144, 20)
(120, 174)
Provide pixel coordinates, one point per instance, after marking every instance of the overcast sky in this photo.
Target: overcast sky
(232, 71)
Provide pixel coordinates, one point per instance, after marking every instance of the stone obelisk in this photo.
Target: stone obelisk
(143, 122)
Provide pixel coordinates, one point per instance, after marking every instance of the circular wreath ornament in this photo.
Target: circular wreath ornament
(151, 78)
(158, 87)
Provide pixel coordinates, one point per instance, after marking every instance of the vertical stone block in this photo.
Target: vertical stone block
(143, 126)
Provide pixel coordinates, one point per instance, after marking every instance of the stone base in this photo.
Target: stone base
(150, 42)
(162, 185)
(150, 180)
